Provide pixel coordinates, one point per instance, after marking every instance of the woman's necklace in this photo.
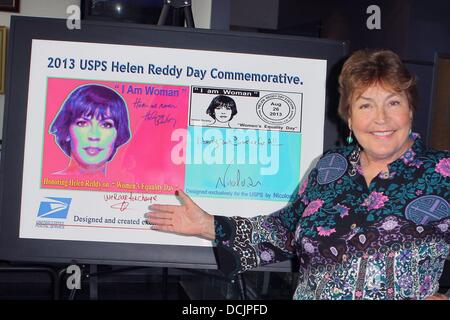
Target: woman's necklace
(371, 170)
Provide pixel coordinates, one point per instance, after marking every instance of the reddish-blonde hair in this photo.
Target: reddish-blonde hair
(365, 68)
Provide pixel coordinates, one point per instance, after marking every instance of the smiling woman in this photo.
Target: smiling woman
(378, 97)
(371, 220)
(91, 125)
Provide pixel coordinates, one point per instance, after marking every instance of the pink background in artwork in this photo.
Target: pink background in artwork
(145, 159)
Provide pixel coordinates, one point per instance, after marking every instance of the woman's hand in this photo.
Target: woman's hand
(437, 296)
(186, 219)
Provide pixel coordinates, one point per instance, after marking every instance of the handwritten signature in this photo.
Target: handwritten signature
(125, 199)
(236, 181)
(121, 206)
(159, 119)
(235, 141)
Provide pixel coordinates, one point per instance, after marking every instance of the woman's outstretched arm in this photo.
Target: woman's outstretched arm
(186, 219)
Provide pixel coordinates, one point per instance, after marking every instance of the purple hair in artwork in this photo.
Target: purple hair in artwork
(91, 100)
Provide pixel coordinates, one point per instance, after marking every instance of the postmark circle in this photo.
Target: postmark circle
(331, 167)
(276, 108)
(427, 209)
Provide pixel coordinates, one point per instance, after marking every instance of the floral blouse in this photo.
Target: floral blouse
(388, 240)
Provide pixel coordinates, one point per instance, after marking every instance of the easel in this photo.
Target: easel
(182, 11)
(181, 16)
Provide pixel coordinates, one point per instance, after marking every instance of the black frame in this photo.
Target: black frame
(23, 30)
(12, 6)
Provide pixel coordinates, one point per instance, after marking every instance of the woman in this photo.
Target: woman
(222, 109)
(371, 221)
(91, 125)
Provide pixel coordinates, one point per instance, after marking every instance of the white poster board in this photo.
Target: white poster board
(246, 164)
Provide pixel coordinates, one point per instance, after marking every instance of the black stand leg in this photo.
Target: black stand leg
(165, 276)
(266, 281)
(242, 286)
(164, 14)
(93, 282)
(59, 279)
(189, 17)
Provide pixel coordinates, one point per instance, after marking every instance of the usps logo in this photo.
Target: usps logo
(56, 208)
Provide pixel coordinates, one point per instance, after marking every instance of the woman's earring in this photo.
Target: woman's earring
(67, 139)
(349, 138)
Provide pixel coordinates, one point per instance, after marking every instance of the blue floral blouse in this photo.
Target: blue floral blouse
(388, 240)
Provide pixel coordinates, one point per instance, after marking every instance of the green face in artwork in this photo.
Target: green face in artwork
(92, 140)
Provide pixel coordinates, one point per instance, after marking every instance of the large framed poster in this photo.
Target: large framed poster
(104, 121)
